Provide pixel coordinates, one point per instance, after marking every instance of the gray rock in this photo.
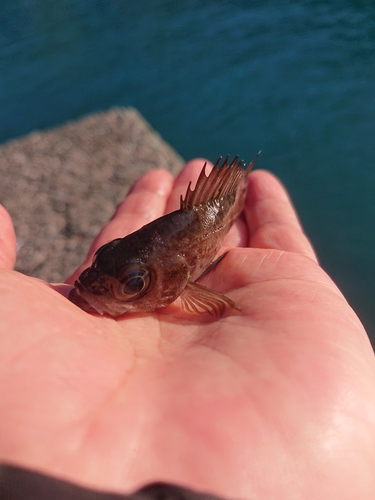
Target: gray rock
(62, 185)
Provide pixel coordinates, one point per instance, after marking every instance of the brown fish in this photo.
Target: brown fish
(151, 267)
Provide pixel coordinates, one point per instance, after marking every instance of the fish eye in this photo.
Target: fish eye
(134, 285)
(135, 282)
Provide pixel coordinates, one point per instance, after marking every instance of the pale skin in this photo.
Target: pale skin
(276, 401)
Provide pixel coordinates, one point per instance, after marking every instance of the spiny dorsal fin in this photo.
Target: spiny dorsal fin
(222, 180)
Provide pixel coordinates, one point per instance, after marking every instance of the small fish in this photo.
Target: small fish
(162, 261)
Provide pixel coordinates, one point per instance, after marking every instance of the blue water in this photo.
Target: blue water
(293, 78)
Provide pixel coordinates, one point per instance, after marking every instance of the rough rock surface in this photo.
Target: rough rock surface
(62, 185)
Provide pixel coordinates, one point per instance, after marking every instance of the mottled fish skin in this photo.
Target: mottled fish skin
(160, 262)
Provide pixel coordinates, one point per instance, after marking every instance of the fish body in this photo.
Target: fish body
(160, 262)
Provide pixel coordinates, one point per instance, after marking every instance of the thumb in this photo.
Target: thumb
(7, 240)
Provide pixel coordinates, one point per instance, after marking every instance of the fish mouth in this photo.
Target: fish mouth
(77, 299)
(91, 302)
(102, 304)
(77, 286)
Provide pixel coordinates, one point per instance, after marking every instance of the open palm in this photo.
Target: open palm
(275, 401)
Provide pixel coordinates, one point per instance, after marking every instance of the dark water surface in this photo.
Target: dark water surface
(293, 78)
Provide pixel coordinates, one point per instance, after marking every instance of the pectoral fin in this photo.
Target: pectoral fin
(199, 299)
(212, 265)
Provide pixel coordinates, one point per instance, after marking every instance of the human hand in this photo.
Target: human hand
(277, 401)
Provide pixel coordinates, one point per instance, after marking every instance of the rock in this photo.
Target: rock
(62, 185)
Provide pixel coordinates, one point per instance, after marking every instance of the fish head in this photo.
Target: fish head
(115, 295)
(118, 282)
